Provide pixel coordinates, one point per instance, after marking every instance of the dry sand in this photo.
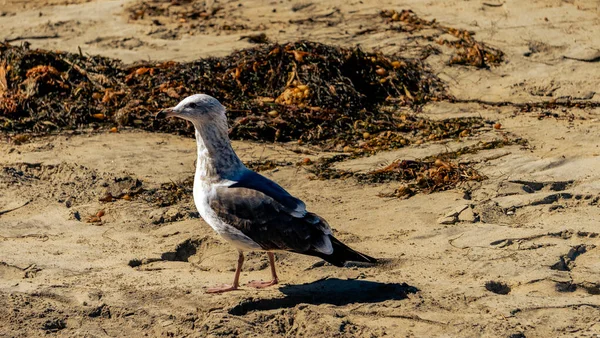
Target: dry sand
(531, 228)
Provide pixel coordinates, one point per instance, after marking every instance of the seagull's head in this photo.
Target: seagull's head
(199, 109)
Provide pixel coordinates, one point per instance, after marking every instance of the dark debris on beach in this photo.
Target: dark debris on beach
(434, 173)
(425, 176)
(303, 91)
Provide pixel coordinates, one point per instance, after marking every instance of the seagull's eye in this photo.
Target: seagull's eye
(192, 105)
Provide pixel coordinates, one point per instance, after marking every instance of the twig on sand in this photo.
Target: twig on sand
(595, 58)
(32, 37)
(2, 212)
(492, 5)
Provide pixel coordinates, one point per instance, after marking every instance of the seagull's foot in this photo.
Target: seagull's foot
(221, 289)
(261, 284)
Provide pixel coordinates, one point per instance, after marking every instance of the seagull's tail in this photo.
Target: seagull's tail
(343, 253)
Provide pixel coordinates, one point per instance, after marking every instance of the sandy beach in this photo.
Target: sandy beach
(516, 254)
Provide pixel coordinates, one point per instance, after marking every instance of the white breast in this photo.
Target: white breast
(203, 193)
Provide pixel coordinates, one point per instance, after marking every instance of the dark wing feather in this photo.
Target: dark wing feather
(268, 222)
(254, 181)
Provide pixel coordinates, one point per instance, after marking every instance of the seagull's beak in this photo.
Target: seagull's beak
(167, 112)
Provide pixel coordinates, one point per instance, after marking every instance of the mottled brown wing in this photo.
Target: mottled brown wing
(267, 222)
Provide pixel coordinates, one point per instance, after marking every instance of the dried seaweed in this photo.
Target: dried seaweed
(544, 108)
(417, 176)
(190, 17)
(425, 176)
(468, 51)
(303, 91)
(412, 129)
(430, 174)
(473, 149)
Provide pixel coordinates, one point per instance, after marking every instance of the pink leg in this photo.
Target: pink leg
(275, 280)
(236, 279)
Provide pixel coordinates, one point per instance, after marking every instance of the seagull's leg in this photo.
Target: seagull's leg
(236, 279)
(275, 280)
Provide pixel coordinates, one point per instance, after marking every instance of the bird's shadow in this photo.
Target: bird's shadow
(328, 291)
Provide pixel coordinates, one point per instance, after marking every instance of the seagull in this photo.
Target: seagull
(247, 209)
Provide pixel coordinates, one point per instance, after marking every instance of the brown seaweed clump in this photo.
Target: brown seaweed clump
(304, 91)
(425, 176)
(440, 172)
